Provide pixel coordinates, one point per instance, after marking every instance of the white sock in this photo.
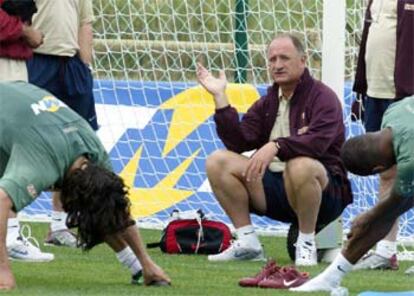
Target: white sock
(13, 230)
(58, 221)
(306, 237)
(386, 248)
(129, 260)
(337, 270)
(248, 235)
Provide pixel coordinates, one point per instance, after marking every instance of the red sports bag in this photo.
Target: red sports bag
(194, 236)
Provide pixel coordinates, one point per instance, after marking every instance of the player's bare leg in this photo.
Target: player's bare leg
(7, 281)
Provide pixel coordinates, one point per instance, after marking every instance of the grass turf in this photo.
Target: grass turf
(99, 273)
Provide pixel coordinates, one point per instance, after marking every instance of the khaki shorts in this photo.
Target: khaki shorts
(11, 70)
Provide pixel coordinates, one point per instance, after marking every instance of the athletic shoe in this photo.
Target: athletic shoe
(136, 279)
(63, 237)
(270, 268)
(317, 284)
(374, 261)
(239, 251)
(26, 248)
(287, 277)
(306, 254)
(410, 271)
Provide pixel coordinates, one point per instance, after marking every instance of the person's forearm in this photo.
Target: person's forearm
(85, 40)
(360, 244)
(133, 239)
(221, 100)
(379, 221)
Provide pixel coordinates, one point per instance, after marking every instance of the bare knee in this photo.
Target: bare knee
(304, 169)
(217, 161)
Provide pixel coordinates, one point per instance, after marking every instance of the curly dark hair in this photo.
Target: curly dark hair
(97, 204)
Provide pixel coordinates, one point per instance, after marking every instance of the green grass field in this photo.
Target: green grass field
(99, 273)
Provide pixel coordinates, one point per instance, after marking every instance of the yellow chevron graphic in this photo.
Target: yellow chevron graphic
(148, 201)
(195, 105)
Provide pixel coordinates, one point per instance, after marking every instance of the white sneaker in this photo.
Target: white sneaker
(63, 237)
(306, 254)
(410, 271)
(317, 284)
(239, 251)
(26, 248)
(375, 261)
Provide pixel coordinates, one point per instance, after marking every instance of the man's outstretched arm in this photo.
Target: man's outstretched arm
(371, 226)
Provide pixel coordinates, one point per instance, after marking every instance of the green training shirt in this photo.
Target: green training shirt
(40, 138)
(400, 118)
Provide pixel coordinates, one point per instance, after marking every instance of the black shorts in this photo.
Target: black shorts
(278, 207)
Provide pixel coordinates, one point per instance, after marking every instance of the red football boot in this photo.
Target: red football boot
(270, 268)
(287, 277)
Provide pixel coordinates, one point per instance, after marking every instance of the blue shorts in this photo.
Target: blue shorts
(68, 79)
(374, 111)
(278, 207)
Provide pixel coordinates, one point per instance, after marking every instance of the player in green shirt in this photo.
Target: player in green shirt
(44, 145)
(369, 154)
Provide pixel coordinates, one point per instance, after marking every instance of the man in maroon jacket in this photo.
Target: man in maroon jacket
(296, 174)
(17, 39)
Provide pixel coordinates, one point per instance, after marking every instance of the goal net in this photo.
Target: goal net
(157, 123)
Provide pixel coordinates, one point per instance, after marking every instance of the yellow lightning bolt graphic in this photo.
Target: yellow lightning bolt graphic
(148, 201)
(195, 105)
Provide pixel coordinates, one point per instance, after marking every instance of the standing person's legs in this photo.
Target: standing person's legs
(47, 72)
(384, 256)
(70, 80)
(78, 83)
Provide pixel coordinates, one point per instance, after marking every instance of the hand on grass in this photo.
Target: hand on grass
(154, 275)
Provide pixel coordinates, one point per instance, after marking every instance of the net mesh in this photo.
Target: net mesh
(155, 121)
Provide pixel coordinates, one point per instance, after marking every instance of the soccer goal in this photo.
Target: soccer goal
(157, 123)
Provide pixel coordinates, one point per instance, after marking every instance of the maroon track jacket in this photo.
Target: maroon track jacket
(11, 44)
(313, 105)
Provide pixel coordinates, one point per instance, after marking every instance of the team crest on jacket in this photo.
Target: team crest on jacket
(47, 104)
(32, 190)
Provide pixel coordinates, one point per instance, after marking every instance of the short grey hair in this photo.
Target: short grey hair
(297, 43)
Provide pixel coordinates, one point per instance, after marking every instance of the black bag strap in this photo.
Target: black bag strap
(153, 245)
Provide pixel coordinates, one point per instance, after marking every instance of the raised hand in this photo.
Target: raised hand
(215, 86)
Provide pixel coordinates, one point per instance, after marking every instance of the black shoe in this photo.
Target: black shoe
(136, 279)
